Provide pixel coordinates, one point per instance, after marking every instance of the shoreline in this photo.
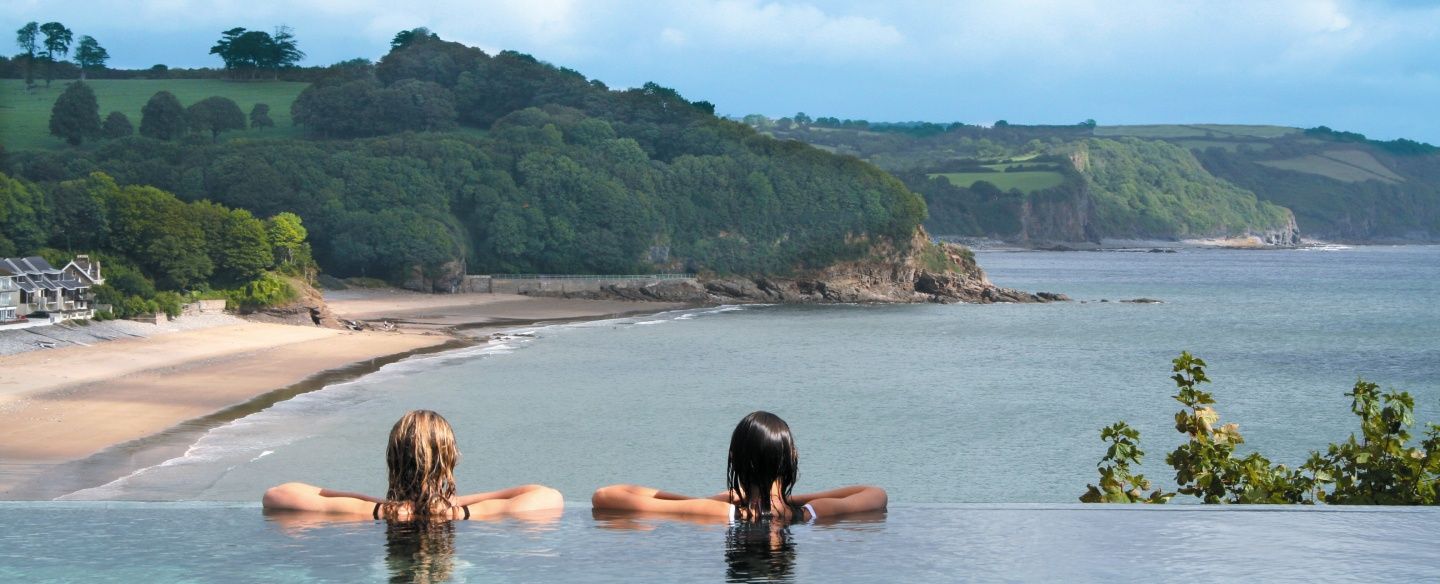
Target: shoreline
(1170, 246)
(138, 404)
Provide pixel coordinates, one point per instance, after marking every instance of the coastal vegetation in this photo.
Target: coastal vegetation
(442, 159)
(155, 248)
(1384, 466)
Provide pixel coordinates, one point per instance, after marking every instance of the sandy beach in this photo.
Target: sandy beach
(62, 405)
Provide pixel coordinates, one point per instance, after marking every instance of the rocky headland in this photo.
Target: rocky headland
(921, 271)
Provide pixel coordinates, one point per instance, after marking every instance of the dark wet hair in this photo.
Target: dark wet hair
(762, 452)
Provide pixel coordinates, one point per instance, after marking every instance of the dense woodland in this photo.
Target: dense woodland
(152, 245)
(441, 159)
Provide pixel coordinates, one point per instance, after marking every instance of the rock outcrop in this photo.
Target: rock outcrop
(445, 278)
(1284, 236)
(911, 275)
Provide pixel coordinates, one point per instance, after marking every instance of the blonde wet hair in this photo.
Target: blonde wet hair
(421, 457)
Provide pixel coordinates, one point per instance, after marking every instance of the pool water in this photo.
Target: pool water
(218, 542)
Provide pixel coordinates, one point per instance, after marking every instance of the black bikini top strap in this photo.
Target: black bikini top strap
(376, 512)
(466, 508)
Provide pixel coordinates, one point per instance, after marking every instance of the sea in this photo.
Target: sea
(939, 404)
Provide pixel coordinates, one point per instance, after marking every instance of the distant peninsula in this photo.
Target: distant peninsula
(1046, 185)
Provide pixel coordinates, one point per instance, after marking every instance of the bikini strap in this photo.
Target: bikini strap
(466, 509)
(376, 512)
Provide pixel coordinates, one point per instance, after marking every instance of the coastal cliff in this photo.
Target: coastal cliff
(921, 271)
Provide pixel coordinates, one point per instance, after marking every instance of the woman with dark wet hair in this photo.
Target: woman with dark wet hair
(760, 474)
(421, 456)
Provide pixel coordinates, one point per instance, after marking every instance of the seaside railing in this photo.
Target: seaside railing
(563, 283)
(670, 276)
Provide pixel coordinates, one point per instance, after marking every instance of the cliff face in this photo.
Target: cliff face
(1056, 219)
(918, 272)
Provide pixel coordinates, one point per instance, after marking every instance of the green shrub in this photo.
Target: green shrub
(1383, 467)
(265, 291)
(168, 302)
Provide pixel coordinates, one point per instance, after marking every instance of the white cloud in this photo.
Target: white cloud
(784, 31)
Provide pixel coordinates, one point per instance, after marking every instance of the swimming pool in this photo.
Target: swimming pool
(202, 542)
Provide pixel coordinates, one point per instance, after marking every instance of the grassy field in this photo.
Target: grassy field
(1220, 131)
(25, 115)
(1229, 146)
(1342, 165)
(1026, 181)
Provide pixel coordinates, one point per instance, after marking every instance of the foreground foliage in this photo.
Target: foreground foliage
(1380, 467)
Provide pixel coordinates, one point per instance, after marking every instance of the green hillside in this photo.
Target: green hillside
(1179, 179)
(25, 115)
(441, 159)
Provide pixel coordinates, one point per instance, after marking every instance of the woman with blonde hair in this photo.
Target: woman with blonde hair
(421, 457)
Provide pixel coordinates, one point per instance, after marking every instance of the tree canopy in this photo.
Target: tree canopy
(568, 176)
(76, 114)
(90, 55)
(249, 52)
(215, 114)
(163, 118)
(57, 46)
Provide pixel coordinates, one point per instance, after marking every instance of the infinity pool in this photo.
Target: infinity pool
(190, 542)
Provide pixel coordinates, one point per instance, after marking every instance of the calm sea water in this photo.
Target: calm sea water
(940, 404)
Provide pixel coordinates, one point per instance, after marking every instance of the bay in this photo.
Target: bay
(938, 403)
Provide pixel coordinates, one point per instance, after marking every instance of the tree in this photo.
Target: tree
(215, 114)
(28, 37)
(405, 37)
(283, 51)
(76, 114)
(162, 118)
(90, 55)
(287, 238)
(57, 44)
(260, 116)
(117, 125)
(253, 50)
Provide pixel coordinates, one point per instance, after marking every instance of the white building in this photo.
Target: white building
(64, 294)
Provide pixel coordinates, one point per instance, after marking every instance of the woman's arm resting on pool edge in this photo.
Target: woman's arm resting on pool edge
(512, 500)
(638, 498)
(303, 497)
(855, 499)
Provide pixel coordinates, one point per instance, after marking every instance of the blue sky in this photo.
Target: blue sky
(1369, 67)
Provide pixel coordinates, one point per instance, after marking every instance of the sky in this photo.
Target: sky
(1366, 66)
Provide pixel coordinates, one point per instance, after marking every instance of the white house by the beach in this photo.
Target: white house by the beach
(9, 296)
(64, 294)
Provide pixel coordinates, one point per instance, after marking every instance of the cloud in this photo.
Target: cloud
(919, 58)
(786, 31)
